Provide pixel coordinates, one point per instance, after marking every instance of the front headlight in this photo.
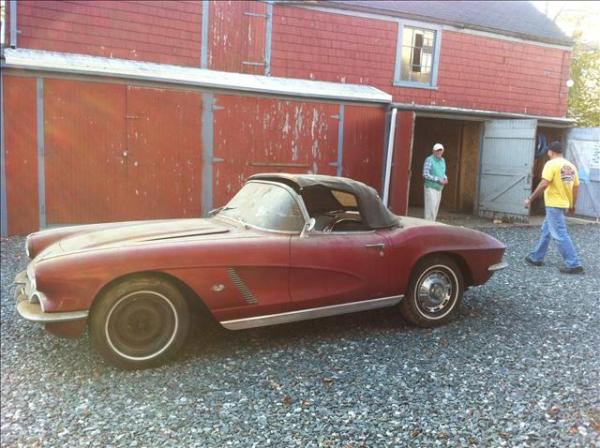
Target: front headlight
(30, 286)
(27, 246)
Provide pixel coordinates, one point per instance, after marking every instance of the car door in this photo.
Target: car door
(337, 267)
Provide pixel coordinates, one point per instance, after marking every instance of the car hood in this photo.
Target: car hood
(139, 232)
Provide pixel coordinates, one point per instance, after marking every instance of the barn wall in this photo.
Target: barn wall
(164, 32)
(20, 146)
(270, 135)
(84, 137)
(475, 72)
(237, 36)
(363, 145)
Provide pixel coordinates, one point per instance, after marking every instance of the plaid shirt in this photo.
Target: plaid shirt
(427, 171)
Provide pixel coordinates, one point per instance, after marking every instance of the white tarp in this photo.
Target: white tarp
(583, 149)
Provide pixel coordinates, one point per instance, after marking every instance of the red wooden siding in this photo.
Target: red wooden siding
(486, 73)
(20, 154)
(254, 135)
(166, 32)
(236, 37)
(475, 72)
(85, 136)
(116, 152)
(332, 47)
(405, 122)
(364, 129)
(164, 162)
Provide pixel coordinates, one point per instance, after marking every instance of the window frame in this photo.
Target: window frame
(437, 39)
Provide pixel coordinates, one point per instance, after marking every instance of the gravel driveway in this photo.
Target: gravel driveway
(519, 367)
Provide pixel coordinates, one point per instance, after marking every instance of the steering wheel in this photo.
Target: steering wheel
(333, 224)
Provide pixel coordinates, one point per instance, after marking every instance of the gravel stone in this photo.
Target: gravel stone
(519, 367)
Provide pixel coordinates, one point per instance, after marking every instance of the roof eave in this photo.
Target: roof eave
(86, 65)
(480, 115)
(422, 18)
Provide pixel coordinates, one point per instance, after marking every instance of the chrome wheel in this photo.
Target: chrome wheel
(435, 291)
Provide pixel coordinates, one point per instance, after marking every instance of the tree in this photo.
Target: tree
(584, 95)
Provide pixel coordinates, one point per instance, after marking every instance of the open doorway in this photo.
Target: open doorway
(544, 136)
(461, 140)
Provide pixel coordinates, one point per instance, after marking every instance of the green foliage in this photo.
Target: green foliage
(584, 96)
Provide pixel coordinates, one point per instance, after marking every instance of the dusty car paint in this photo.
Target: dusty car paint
(248, 275)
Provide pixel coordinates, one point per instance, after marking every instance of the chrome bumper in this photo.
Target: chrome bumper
(32, 311)
(498, 266)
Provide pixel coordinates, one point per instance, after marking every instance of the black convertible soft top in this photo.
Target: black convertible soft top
(372, 210)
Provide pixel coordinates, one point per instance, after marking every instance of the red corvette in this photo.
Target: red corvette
(285, 248)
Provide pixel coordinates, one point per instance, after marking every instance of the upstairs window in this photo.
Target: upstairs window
(417, 56)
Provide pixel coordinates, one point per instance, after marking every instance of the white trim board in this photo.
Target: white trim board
(49, 61)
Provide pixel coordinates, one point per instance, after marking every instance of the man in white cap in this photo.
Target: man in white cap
(434, 173)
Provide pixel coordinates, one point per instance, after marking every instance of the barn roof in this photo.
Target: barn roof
(48, 61)
(515, 18)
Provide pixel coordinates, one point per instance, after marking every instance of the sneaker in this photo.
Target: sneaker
(575, 270)
(533, 263)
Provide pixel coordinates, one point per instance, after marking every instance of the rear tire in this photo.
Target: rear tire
(434, 293)
(140, 322)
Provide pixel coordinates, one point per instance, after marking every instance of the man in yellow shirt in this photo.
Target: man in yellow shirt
(559, 184)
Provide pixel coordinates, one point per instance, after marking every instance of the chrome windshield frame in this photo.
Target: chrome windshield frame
(297, 198)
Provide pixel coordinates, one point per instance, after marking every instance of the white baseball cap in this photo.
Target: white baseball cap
(438, 146)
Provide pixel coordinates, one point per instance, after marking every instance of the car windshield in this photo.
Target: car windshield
(265, 205)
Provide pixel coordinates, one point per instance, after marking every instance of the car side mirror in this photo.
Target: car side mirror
(214, 211)
(309, 226)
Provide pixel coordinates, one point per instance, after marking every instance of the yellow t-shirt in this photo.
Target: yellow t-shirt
(562, 176)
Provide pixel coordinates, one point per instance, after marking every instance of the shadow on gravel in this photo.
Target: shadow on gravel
(208, 336)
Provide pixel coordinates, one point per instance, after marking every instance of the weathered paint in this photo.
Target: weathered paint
(205, 22)
(117, 152)
(237, 36)
(269, 38)
(13, 23)
(66, 64)
(364, 132)
(86, 135)
(3, 214)
(207, 152)
(164, 144)
(20, 154)
(41, 151)
(401, 174)
(340, 146)
(253, 135)
(164, 32)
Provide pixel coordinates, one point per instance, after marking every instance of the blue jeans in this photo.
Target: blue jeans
(555, 227)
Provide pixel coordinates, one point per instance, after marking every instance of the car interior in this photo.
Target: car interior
(333, 210)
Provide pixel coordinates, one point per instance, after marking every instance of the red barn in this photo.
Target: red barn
(115, 110)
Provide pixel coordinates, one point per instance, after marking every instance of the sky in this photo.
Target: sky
(573, 14)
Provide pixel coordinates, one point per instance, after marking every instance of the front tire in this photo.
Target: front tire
(434, 292)
(140, 322)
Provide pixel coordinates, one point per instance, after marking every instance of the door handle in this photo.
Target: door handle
(378, 246)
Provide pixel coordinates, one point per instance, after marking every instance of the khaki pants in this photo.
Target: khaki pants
(432, 203)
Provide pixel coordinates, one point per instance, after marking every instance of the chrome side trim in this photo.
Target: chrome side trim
(33, 311)
(241, 286)
(311, 313)
(498, 266)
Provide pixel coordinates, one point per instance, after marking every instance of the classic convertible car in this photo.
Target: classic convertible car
(285, 248)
